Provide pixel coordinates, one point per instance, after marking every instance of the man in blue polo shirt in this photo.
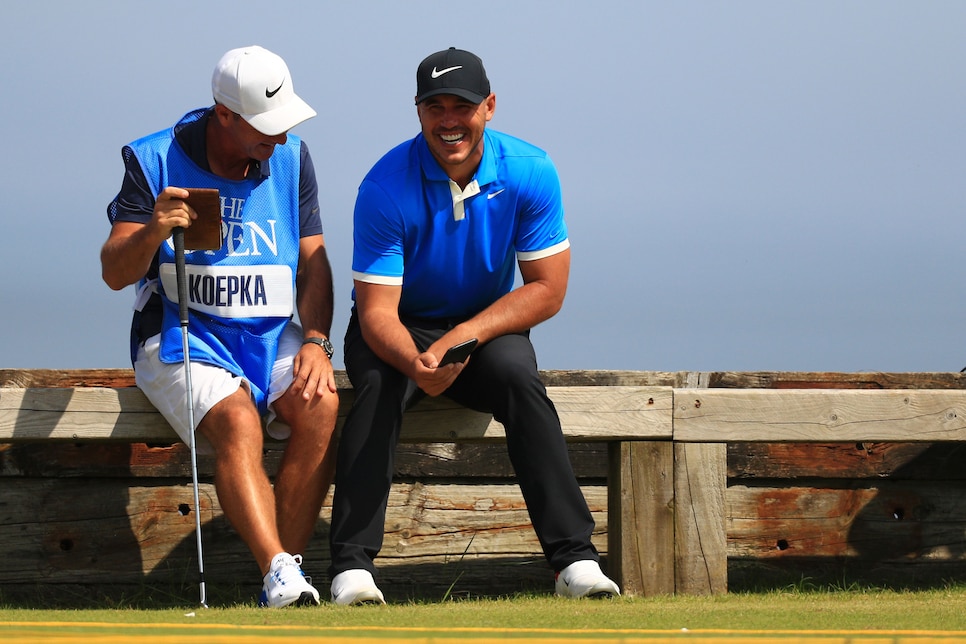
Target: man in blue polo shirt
(441, 223)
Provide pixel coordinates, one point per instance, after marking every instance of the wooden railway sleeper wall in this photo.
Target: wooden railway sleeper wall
(765, 483)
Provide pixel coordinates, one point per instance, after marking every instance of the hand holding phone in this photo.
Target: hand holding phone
(459, 352)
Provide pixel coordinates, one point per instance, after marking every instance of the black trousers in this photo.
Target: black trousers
(501, 378)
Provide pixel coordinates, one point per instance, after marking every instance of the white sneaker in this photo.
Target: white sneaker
(585, 579)
(286, 584)
(355, 587)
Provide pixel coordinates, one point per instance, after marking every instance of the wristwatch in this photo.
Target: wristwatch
(322, 342)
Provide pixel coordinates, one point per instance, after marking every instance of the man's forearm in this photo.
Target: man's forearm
(314, 298)
(521, 309)
(127, 254)
(389, 339)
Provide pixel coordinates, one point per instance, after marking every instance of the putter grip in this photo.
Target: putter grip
(180, 275)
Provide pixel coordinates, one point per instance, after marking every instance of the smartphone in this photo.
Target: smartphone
(458, 353)
(204, 233)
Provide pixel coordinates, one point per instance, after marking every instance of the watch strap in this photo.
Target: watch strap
(322, 342)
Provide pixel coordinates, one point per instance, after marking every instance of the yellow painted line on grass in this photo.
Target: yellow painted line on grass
(159, 633)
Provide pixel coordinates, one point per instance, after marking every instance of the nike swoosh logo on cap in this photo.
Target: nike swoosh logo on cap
(439, 72)
(269, 94)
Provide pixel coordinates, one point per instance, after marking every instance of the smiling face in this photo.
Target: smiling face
(453, 128)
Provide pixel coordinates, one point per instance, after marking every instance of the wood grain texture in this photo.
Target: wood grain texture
(641, 517)
(124, 414)
(730, 415)
(700, 558)
(107, 532)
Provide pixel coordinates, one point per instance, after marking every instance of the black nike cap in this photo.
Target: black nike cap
(452, 71)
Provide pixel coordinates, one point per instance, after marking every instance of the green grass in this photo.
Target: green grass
(791, 609)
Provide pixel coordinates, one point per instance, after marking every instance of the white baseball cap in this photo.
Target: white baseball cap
(256, 84)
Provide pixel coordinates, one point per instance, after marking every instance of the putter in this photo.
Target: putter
(183, 310)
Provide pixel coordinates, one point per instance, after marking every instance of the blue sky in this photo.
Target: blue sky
(748, 185)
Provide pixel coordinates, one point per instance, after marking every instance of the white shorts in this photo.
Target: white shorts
(164, 385)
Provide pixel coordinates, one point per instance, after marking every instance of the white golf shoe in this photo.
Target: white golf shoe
(584, 579)
(286, 584)
(356, 587)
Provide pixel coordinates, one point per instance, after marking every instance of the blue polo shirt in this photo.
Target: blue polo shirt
(453, 251)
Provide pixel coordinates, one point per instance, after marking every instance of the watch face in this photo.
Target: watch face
(322, 342)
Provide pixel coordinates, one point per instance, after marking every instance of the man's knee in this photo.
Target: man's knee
(232, 419)
(293, 408)
(511, 363)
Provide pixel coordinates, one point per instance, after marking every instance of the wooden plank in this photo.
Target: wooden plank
(457, 462)
(124, 414)
(835, 380)
(640, 517)
(478, 520)
(23, 378)
(847, 461)
(701, 557)
(586, 414)
(812, 415)
(467, 461)
(108, 533)
(83, 413)
(125, 378)
(571, 378)
(886, 521)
